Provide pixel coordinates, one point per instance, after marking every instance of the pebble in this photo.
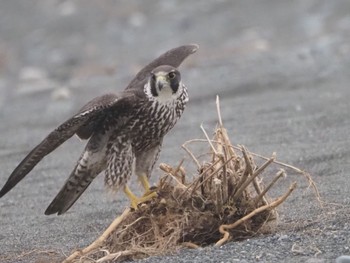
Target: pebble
(32, 80)
(343, 259)
(61, 94)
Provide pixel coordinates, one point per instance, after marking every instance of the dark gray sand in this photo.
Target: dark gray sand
(282, 69)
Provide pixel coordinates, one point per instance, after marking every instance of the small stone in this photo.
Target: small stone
(315, 260)
(137, 19)
(32, 74)
(61, 94)
(32, 80)
(283, 237)
(343, 259)
(67, 8)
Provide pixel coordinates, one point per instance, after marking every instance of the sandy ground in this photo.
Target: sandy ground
(280, 67)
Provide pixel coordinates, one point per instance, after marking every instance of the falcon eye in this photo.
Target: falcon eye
(172, 75)
(153, 77)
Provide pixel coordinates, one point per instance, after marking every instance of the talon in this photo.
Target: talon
(149, 195)
(135, 201)
(153, 188)
(151, 191)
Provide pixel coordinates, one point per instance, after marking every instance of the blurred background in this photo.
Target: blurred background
(281, 69)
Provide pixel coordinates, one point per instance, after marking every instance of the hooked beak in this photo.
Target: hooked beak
(161, 82)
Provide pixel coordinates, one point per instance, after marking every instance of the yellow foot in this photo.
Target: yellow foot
(135, 201)
(150, 191)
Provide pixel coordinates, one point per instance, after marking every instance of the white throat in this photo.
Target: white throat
(165, 96)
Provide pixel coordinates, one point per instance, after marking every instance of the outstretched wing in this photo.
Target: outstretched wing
(174, 57)
(91, 111)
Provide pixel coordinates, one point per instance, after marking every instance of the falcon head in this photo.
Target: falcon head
(164, 84)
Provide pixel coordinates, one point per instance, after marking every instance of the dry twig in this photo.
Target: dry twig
(98, 242)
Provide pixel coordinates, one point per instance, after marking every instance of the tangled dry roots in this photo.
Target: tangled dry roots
(225, 201)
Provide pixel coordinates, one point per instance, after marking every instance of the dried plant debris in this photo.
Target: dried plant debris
(226, 201)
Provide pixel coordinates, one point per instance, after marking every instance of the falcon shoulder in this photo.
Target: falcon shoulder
(81, 124)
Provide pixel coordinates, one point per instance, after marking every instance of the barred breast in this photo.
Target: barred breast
(154, 120)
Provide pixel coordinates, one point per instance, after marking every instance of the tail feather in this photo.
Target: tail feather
(68, 195)
(88, 167)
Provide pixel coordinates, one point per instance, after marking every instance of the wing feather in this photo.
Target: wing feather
(93, 109)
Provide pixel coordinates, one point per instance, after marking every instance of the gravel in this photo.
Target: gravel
(281, 69)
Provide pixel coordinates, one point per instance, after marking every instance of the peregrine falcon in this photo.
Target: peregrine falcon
(124, 132)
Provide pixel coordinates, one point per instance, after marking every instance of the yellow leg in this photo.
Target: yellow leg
(135, 201)
(144, 181)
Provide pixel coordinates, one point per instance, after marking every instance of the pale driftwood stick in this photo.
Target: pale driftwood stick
(179, 165)
(190, 245)
(223, 131)
(224, 180)
(223, 156)
(255, 181)
(312, 184)
(223, 228)
(115, 256)
(171, 172)
(255, 154)
(296, 169)
(191, 155)
(245, 175)
(208, 140)
(211, 175)
(218, 110)
(228, 142)
(251, 178)
(126, 227)
(196, 181)
(267, 163)
(218, 192)
(175, 172)
(98, 242)
(258, 191)
(221, 139)
(248, 163)
(280, 174)
(180, 169)
(164, 180)
(256, 186)
(230, 166)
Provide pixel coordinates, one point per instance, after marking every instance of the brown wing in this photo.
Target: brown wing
(92, 110)
(86, 129)
(174, 57)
